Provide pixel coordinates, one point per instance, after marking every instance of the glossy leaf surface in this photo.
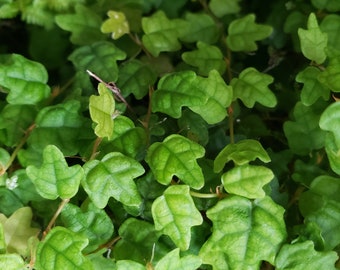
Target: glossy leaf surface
(173, 261)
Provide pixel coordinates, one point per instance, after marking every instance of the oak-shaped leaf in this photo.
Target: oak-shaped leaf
(100, 58)
(17, 231)
(245, 232)
(84, 25)
(330, 76)
(240, 153)
(172, 260)
(176, 156)
(312, 89)
(62, 249)
(313, 41)
(12, 262)
(221, 7)
(329, 25)
(247, 180)
(25, 80)
(54, 178)
(162, 34)
(117, 24)
(205, 58)
(300, 256)
(252, 86)
(243, 34)
(91, 222)
(174, 214)
(113, 176)
(102, 108)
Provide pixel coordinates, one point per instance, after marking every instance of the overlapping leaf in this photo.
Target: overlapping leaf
(175, 221)
(24, 79)
(244, 233)
(330, 5)
(205, 58)
(241, 153)
(330, 77)
(117, 24)
(162, 34)
(252, 86)
(330, 26)
(12, 262)
(84, 25)
(62, 249)
(102, 108)
(176, 156)
(54, 178)
(173, 261)
(113, 177)
(329, 121)
(313, 41)
(244, 32)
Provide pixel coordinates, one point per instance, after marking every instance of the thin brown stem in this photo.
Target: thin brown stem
(95, 148)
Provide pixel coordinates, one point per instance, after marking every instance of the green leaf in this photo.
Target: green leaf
(330, 26)
(176, 155)
(84, 25)
(330, 77)
(102, 108)
(313, 41)
(113, 177)
(4, 159)
(247, 181)
(61, 249)
(177, 90)
(244, 32)
(17, 230)
(135, 77)
(240, 153)
(117, 24)
(9, 9)
(219, 98)
(333, 152)
(129, 265)
(221, 7)
(312, 89)
(329, 5)
(89, 221)
(244, 234)
(329, 121)
(173, 261)
(100, 58)
(205, 58)
(175, 221)
(300, 256)
(24, 79)
(12, 262)
(9, 202)
(54, 178)
(162, 34)
(252, 86)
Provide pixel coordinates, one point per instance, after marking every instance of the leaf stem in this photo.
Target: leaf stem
(204, 195)
(95, 148)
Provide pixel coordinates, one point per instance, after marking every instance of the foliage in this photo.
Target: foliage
(169, 134)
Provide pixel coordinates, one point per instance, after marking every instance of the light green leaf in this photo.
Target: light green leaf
(135, 77)
(3, 245)
(9, 9)
(174, 214)
(129, 265)
(100, 58)
(329, 120)
(245, 232)
(219, 94)
(329, 5)
(117, 24)
(244, 32)
(176, 155)
(113, 177)
(333, 152)
(247, 180)
(84, 25)
(312, 89)
(205, 58)
(313, 41)
(331, 76)
(61, 249)
(301, 256)
(222, 7)
(102, 108)
(12, 262)
(173, 261)
(17, 231)
(4, 159)
(177, 90)
(252, 86)
(162, 34)
(241, 153)
(54, 178)
(330, 26)
(89, 221)
(25, 80)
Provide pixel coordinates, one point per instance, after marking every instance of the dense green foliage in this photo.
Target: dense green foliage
(163, 134)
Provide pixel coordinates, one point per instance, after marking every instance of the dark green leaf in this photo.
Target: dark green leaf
(329, 5)
(221, 7)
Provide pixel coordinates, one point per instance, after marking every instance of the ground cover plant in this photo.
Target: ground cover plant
(168, 134)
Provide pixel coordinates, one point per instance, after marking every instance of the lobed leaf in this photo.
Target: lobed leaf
(330, 26)
(117, 24)
(129, 265)
(329, 121)
(112, 177)
(173, 261)
(175, 221)
(330, 77)
(12, 262)
(54, 178)
(244, 32)
(25, 80)
(252, 86)
(176, 155)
